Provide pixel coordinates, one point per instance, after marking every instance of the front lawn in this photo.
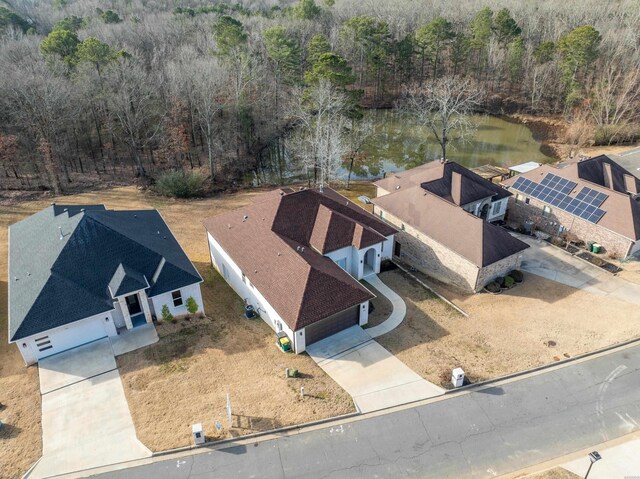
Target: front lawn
(184, 378)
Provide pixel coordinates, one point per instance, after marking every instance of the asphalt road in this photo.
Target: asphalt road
(490, 432)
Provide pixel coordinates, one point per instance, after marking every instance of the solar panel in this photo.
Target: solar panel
(554, 190)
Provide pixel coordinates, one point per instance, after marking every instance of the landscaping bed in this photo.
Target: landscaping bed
(538, 322)
(599, 262)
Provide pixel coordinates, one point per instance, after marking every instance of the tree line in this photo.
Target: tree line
(89, 93)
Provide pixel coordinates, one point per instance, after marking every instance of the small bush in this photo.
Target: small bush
(509, 282)
(493, 287)
(517, 276)
(191, 304)
(180, 184)
(500, 281)
(166, 314)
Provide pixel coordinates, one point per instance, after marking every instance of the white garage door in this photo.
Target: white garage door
(71, 336)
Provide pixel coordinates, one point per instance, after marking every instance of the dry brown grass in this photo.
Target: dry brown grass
(243, 349)
(538, 322)
(555, 473)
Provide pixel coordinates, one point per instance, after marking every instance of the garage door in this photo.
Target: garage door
(331, 325)
(73, 335)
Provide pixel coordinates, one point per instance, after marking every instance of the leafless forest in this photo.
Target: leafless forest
(110, 91)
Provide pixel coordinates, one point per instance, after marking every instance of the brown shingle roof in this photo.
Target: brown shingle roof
(622, 212)
(471, 237)
(436, 177)
(272, 246)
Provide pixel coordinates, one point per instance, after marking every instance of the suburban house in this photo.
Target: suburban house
(81, 273)
(297, 256)
(444, 213)
(595, 199)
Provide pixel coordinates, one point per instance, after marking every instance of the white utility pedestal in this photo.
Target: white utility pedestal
(457, 377)
(198, 435)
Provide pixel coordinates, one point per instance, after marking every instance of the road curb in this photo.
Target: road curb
(423, 284)
(279, 430)
(561, 363)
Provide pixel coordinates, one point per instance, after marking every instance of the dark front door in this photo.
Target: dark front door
(133, 304)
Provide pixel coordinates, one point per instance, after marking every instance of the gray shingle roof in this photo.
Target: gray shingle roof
(63, 259)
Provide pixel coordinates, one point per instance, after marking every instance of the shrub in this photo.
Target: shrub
(500, 281)
(191, 304)
(180, 184)
(166, 314)
(509, 282)
(517, 276)
(493, 287)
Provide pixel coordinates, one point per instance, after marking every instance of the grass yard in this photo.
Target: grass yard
(184, 378)
(538, 322)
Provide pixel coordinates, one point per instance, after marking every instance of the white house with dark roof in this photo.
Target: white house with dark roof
(82, 273)
(297, 256)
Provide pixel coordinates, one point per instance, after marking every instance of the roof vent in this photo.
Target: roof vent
(66, 209)
(302, 249)
(301, 188)
(398, 187)
(279, 254)
(245, 218)
(255, 271)
(282, 193)
(53, 203)
(135, 216)
(228, 226)
(297, 248)
(158, 232)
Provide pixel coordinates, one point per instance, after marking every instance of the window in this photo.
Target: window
(396, 249)
(381, 214)
(225, 272)
(546, 211)
(177, 298)
(496, 208)
(526, 200)
(342, 262)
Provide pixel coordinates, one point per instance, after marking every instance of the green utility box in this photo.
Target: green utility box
(596, 248)
(589, 246)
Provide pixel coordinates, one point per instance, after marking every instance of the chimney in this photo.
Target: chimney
(631, 184)
(608, 177)
(456, 187)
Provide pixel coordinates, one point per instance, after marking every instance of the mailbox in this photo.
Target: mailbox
(457, 377)
(198, 434)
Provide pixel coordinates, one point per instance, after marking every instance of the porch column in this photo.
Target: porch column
(125, 312)
(144, 300)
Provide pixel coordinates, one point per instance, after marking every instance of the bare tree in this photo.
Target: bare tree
(444, 107)
(320, 139)
(133, 103)
(205, 83)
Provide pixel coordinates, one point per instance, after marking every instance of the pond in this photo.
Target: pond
(398, 144)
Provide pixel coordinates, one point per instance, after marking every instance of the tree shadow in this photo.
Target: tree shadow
(253, 423)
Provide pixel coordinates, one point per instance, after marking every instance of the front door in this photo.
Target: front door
(133, 304)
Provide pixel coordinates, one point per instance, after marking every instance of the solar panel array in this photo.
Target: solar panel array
(555, 190)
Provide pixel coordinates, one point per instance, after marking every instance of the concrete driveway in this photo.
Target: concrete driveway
(374, 377)
(552, 263)
(85, 417)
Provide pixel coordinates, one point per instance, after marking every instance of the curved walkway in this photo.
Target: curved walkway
(399, 308)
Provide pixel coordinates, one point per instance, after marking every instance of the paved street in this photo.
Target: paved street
(489, 432)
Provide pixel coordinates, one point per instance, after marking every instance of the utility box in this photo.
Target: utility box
(457, 377)
(198, 434)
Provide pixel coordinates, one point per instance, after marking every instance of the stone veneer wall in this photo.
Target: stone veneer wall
(585, 230)
(499, 268)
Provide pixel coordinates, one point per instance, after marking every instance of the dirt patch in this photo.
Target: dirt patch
(538, 322)
(555, 473)
(184, 378)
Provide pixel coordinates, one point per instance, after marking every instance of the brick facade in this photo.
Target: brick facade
(440, 262)
(557, 220)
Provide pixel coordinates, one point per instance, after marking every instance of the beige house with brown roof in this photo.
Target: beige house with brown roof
(297, 256)
(444, 212)
(596, 199)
